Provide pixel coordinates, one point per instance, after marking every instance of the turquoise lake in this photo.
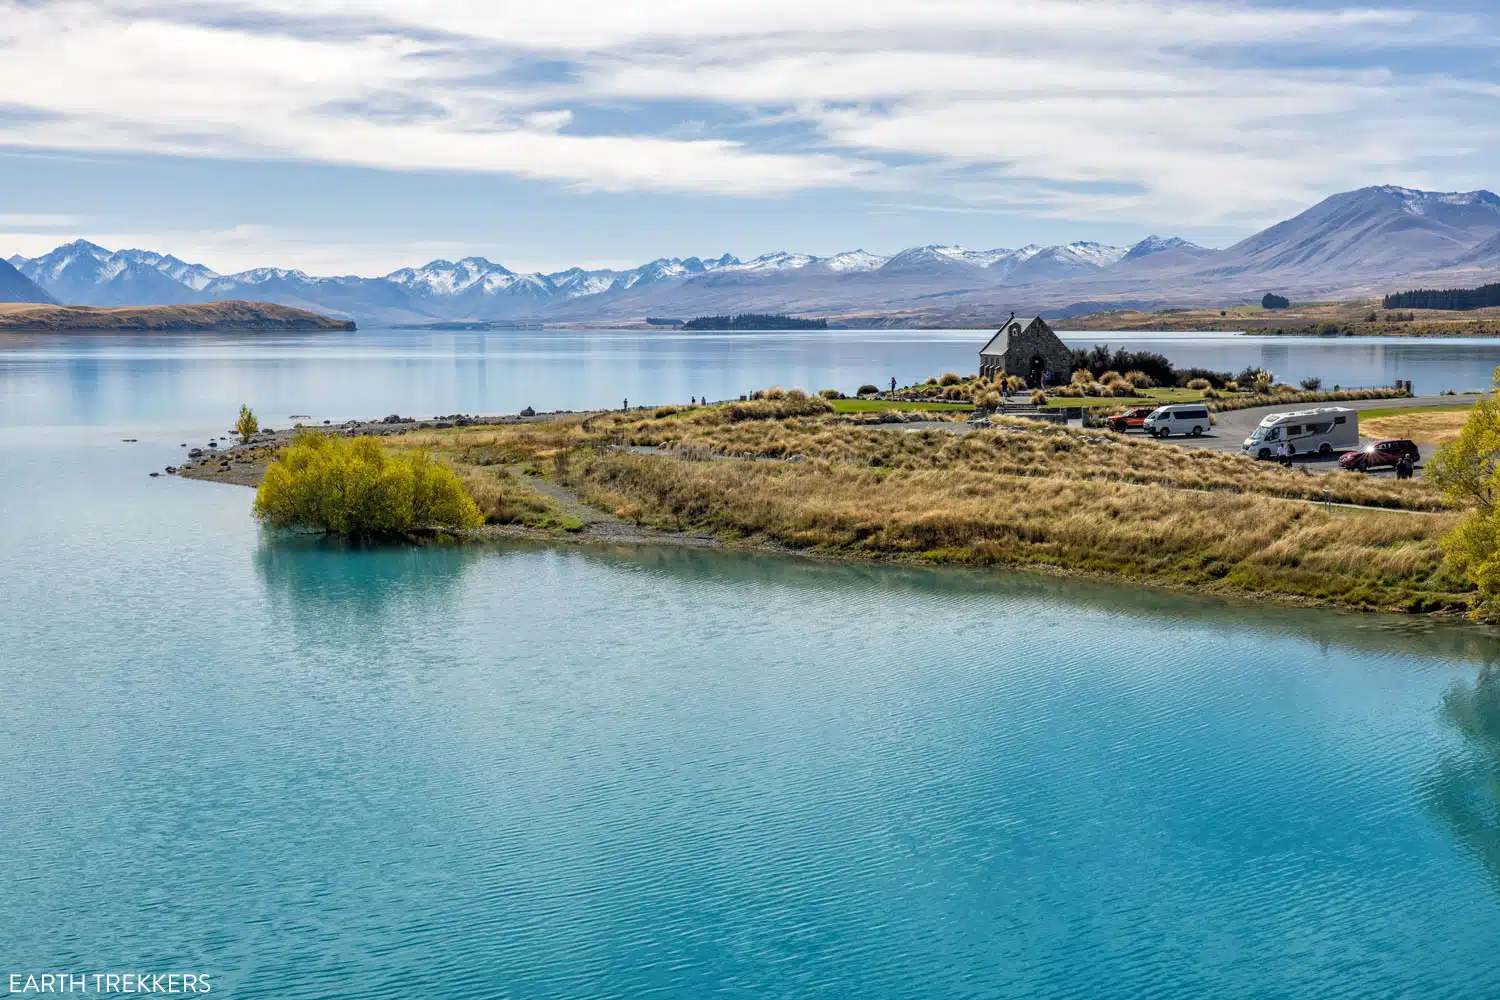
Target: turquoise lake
(311, 771)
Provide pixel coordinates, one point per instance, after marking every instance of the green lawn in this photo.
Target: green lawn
(1409, 411)
(871, 405)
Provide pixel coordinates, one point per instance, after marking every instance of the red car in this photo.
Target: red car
(1131, 419)
(1381, 453)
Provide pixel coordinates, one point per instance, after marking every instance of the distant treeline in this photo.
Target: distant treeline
(1445, 298)
(754, 321)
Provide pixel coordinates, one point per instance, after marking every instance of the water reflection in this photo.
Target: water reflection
(324, 579)
(1464, 790)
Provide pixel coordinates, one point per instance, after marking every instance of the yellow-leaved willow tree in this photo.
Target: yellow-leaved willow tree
(1468, 472)
(356, 488)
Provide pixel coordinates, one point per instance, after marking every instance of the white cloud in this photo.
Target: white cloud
(1084, 108)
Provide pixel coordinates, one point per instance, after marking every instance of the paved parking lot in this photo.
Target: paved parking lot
(1231, 429)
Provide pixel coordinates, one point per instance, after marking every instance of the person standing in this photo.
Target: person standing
(893, 383)
(1284, 454)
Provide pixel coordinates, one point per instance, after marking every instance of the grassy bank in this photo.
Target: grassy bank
(1432, 425)
(1015, 494)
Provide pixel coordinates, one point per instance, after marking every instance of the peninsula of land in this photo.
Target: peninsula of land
(829, 478)
(208, 317)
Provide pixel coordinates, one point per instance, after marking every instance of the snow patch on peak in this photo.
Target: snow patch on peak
(776, 260)
(854, 260)
(1097, 254)
(1417, 202)
(1157, 244)
(261, 275)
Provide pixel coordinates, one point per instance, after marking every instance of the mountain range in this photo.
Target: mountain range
(1357, 243)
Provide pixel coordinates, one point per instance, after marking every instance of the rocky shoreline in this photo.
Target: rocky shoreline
(225, 459)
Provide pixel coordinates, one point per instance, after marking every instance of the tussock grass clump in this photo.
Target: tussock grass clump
(793, 404)
(1264, 396)
(354, 487)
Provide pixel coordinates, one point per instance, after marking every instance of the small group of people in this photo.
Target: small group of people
(1284, 452)
(1406, 466)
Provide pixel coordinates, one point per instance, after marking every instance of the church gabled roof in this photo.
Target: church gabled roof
(1001, 340)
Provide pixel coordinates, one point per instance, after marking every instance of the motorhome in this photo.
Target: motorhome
(1323, 431)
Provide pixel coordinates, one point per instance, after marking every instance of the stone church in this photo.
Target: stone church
(1028, 348)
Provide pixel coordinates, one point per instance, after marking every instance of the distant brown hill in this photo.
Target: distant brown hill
(203, 317)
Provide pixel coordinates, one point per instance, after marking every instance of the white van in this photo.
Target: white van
(1324, 431)
(1180, 418)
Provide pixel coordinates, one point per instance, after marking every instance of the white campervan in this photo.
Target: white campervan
(1182, 418)
(1324, 430)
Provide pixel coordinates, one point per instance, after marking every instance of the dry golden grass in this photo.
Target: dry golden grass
(1424, 428)
(1227, 543)
(1020, 493)
(228, 315)
(1349, 317)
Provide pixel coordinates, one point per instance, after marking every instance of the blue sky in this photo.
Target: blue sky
(357, 136)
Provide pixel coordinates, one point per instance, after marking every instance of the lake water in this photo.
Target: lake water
(315, 772)
(168, 381)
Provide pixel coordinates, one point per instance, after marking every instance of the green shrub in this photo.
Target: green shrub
(867, 390)
(831, 394)
(356, 488)
(1312, 384)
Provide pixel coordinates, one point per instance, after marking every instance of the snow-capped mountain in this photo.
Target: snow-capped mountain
(1363, 241)
(83, 273)
(854, 260)
(1153, 245)
(475, 287)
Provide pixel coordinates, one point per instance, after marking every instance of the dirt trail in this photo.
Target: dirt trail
(601, 526)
